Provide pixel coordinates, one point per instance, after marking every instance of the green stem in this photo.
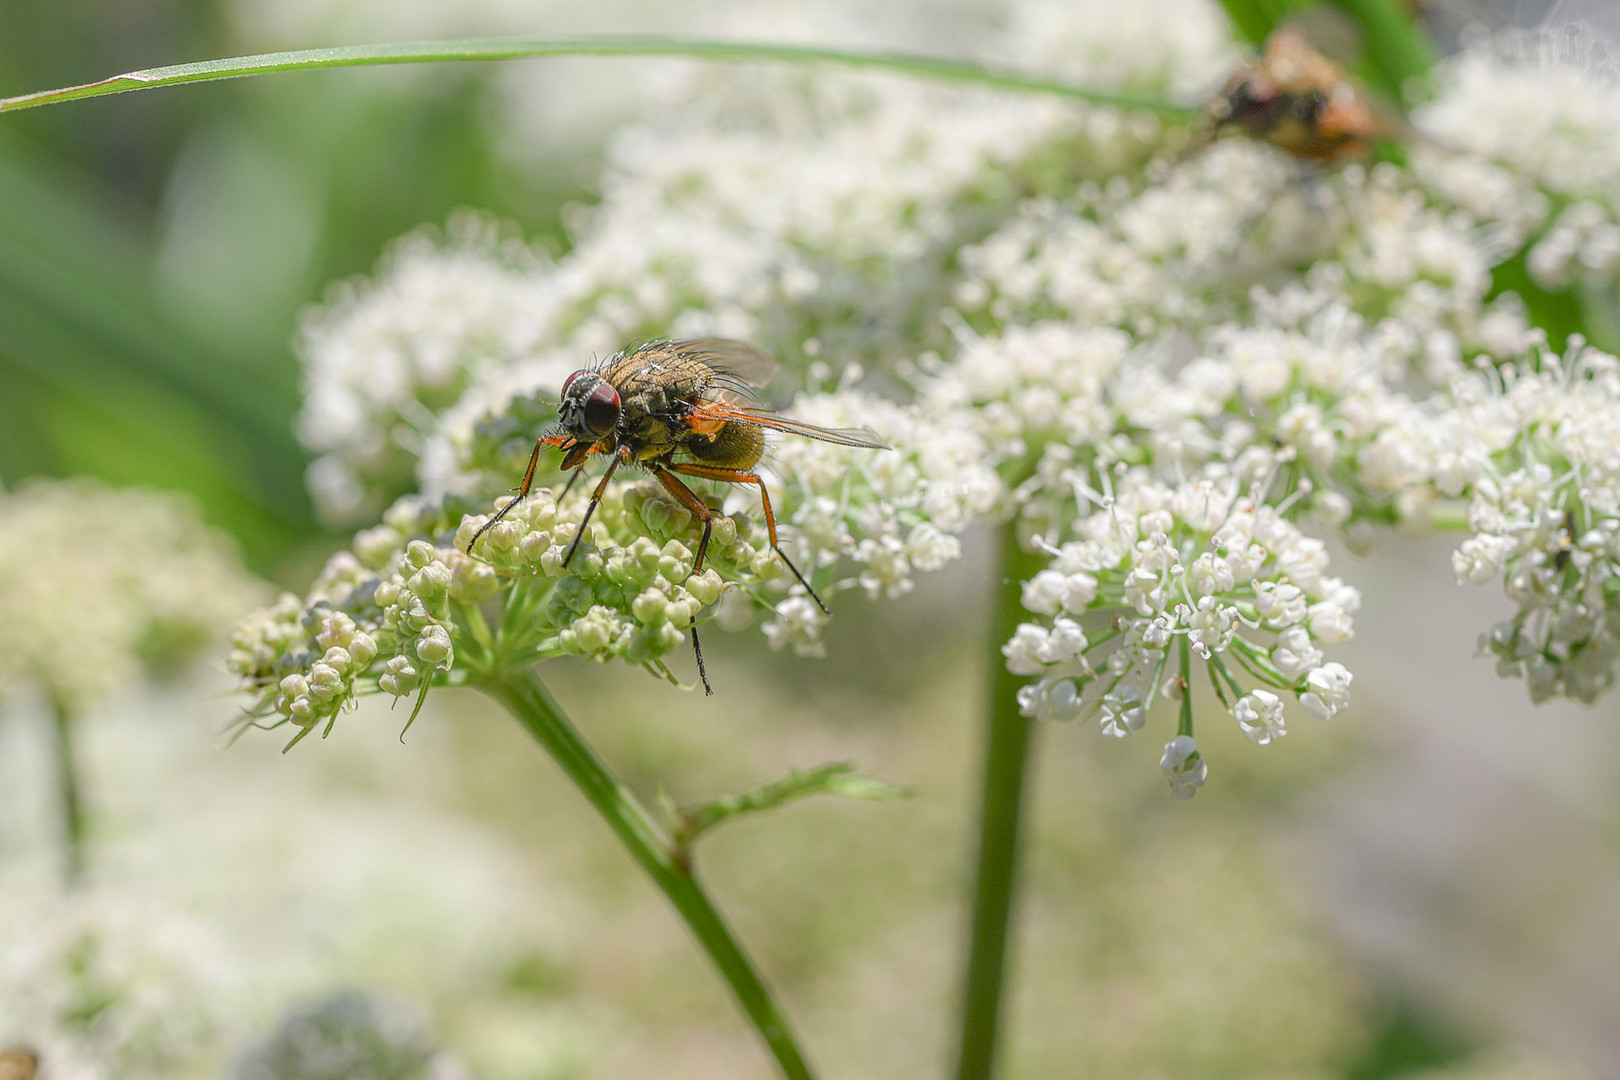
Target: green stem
(522, 692)
(1397, 50)
(464, 49)
(69, 800)
(1007, 747)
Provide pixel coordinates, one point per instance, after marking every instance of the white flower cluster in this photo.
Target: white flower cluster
(112, 986)
(97, 584)
(1223, 345)
(1545, 517)
(1158, 575)
(1526, 138)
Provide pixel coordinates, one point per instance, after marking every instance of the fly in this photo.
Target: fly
(676, 408)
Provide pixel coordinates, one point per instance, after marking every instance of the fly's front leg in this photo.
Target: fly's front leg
(596, 497)
(576, 455)
(742, 476)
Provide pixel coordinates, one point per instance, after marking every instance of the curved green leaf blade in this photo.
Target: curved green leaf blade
(464, 49)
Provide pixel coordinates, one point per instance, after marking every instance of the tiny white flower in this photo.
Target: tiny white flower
(1294, 653)
(1184, 766)
(1051, 699)
(1044, 593)
(1328, 691)
(1121, 712)
(1330, 624)
(797, 624)
(1260, 714)
(1280, 603)
(1024, 651)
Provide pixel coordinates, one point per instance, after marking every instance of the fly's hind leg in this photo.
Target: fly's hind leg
(685, 496)
(743, 476)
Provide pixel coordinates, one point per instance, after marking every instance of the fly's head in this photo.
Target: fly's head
(589, 408)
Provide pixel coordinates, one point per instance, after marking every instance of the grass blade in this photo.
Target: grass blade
(483, 49)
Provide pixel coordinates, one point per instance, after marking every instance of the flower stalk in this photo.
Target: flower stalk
(70, 801)
(670, 867)
(1008, 737)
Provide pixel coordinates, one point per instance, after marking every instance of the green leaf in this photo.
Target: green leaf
(1396, 49)
(838, 778)
(464, 49)
(1399, 53)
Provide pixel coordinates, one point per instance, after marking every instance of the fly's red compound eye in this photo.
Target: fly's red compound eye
(602, 409)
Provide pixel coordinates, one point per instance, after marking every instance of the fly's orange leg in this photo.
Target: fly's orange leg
(577, 452)
(686, 498)
(742, 476)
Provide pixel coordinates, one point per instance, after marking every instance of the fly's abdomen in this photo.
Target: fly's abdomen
(738, 446)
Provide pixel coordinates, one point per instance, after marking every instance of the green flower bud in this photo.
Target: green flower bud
(335, 630)
(472, 580)
(433, 645)
(706, 587)
(765, 565)
(374, 547)
(593, 633)
(651, 642)
(362, 649)
(399, 677)
(301, 712)
(418, 553)
(294, 686)
(588, 563)
(651, 607)
(724, 531)
(431, 581)
(534, 547)
(325, 683)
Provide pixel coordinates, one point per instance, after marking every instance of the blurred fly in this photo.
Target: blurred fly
(1301, 102)
(676, 408)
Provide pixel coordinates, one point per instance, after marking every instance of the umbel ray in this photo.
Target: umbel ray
(676, 408)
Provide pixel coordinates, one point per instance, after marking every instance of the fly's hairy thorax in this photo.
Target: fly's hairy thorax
(659, 387)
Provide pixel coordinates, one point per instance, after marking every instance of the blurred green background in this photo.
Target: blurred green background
(155, 249)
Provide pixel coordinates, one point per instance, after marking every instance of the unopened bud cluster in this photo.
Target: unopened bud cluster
(628, 592)
(384, 627)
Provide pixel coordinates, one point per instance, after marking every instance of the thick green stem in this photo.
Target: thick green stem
(68, 799)
(1007, 747)
(526, 697)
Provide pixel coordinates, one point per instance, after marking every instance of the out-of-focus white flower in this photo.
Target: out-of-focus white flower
(108, 986)
(1260, 714)
(98, 584)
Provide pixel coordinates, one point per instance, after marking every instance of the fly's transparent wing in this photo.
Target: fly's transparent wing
(748, 365)
(721, 412)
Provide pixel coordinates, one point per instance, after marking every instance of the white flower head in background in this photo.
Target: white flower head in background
(98, 585)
